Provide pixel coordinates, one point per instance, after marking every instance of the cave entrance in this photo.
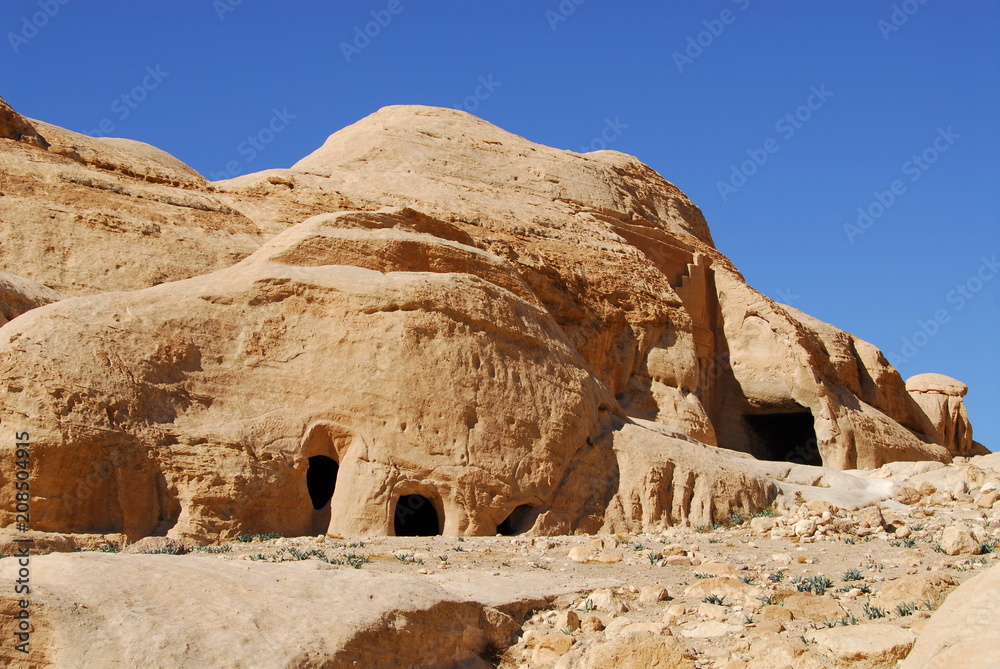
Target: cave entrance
(415, 516)
(784, 437)
(519, 521)
(321, 481)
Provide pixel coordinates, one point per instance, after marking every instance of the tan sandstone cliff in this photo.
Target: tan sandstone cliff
(427, 310)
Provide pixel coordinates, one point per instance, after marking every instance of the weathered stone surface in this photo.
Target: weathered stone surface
(638, 651)
(210, 612)
(940, 397)
(817, 608)
(918, 589)
(957, 539)
(964, 631)
(590, 346)
(731, 588)
(872, 646)
(18, 295)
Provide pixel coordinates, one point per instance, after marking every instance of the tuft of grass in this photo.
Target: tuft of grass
(702, 529)
(749, 580)
(873, 612)
(776, 577)
(715, 541)
(638, 547)
(768, 600)
(763, 513)
(736, 518)
(109, 548)
(166, 550)
(225, 548)
(906, 609)
(988, 546)
(653, 558)
(715, 599)
(748, 619)
(850, 540)
(852, 575)
(904, 543)
(538, 565)
(917, 528)
(698, 574)
(938, 548)
(259, 557)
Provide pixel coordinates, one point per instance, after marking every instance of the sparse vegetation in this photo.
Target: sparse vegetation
(715, 599)
(873, 612)
(109, 548)
(906, 609)
(852, 575)
(763, 513)
(815, 584)
(266, 536)
(212, 550)
(776, 577)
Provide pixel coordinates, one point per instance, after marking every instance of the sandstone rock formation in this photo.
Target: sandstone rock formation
(940, 397)
(428, 325)
(964, 631)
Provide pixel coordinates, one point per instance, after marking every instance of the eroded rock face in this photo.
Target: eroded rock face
(940, 397)
(480, 333)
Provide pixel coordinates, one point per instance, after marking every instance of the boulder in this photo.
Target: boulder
(638, 651)
(816, 608)
(964, 631)
(919, 589)
(940, 398)
(959, 540)
(868, 646)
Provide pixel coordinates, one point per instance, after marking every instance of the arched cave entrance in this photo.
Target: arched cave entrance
(415, 516)
(784, 437)
(321, 481)
(519, 521)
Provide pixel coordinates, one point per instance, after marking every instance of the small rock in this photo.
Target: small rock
(566, 620)
(609, 557)
(580, 554)
(712, 611)
(551, 647)
(591, 624)
(906, 495)
(761, 525)
(871, 516)
(605, 599)
(776, 613)
(958, 540)
(652, 594)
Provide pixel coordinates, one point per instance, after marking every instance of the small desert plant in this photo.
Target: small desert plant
(850, 540)
(815, 584)
(768, 600)
(715, 599)
(776, 577)
(763, 513)
(354, 560)
(698, 574)
(906, 609)
(736, 518)
(852, 575)
(109, 548)
(873, 612)
(702, 529)
(214, 549)
(938, 548)
(749, 580)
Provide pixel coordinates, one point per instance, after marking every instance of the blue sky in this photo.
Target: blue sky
(893, 109)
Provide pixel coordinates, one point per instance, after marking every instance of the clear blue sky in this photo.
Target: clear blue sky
(888, 92)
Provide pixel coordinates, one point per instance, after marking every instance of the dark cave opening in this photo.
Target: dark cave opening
(784, 437)
(415, 516)
(519, 521)
(321, 480)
